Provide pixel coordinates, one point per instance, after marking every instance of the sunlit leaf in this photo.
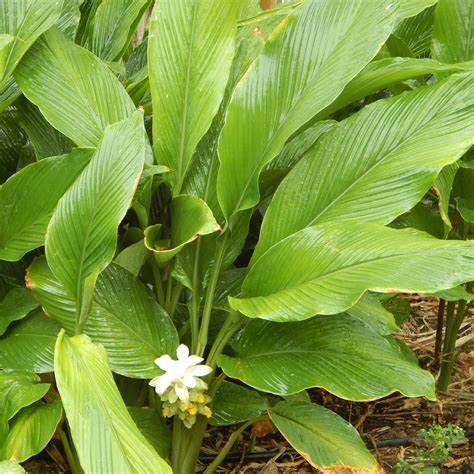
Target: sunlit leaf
(105, 436)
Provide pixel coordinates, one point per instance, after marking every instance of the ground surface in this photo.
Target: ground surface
(394, 418)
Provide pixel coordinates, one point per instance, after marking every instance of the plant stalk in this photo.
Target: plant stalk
(233, 323)
(211, 289)
(449, 354)
(71, 458)
(439, 330)
(230, 442)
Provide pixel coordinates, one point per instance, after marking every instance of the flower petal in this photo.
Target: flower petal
(162, 384)
(182, 392)
(154, 380)
(199, 370)
(182, 352)
(189, 381)
(165, 362)
(193, 360)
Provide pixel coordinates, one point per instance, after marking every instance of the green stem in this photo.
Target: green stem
(160, 294)
(230, 442)
(169, 288)
(174, 299)
(211, 289)
(196, 298)
(71, 458)
(233, 323)
(449, 354)
(186, 445)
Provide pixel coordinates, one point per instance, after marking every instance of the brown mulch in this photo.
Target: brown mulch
(393, 417)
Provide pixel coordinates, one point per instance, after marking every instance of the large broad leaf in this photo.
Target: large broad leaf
(323, 438)
(290, 82)
(378, 163)
(409, 8)
(31, 430)
(124, 317)
(235, 404)
(46, 140)
(12, 139)
(17, 303)
(414, 34)
(28, 199)
(29, 344)
(17, 390)
(153, 426)
(11, 467)
(370, 310)
(190, 218)
(108, 33)
(383, 73)
(201, 179)
(105, 436)
(82, 233)
(335, 352)
(21, 23)
(190, 50)
(70, 16)
(74, 90)
(442, 187)
(453, 31)
(326, 269)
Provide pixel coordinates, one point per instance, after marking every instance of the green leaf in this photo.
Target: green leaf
(370, 311)
(337, 353)
(16, 305)
(46, 140)
(124, 317)
(12, 139)
(105, 436)
(21, 23)
(378, 163)
(25, 206)
(9, 93)
(10, 467)
(190, 218)
(75, 91)
(299, 145)
(235, 404)
(409, 8)
(384, 73)
(108, 33)
(465, 208)
(201, 179)
(454, 294)
(326, 269)
(70, 16)
(190, 50)
(323, 438)
(416, 32)
(422, 217)
(453, 31)
(17, 390)
(442, 187)
(29, 344)
(153, 427)
(133, 257)
(82, 233)
(290, 82)
(31, 430)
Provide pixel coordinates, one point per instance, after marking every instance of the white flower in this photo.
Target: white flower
(180, 374)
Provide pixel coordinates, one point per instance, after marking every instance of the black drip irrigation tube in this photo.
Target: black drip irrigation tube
(265, 456)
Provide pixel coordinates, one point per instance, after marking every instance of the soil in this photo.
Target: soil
(392, 418)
